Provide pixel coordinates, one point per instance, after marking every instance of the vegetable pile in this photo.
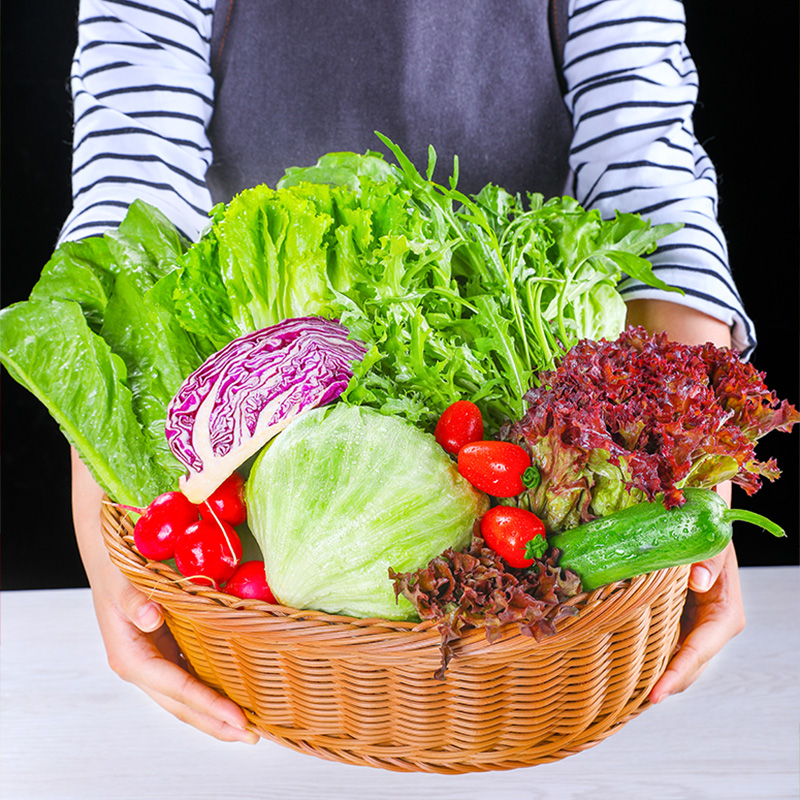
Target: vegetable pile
(400, 395)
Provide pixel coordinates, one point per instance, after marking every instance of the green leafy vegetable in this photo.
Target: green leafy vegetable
(456, 297)
(345, 494)
(99, 345)
(83, 385)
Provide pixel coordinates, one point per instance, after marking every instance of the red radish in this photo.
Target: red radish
(208, 552)
(250, 582)
(508, 529)
(161, 523)
(460, 424)
(494, 467)
(226, 502)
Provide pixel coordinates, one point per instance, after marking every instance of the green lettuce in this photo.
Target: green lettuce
(98, 344)
(345, 494)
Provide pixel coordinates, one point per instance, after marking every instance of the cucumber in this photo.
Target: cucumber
(647, 537)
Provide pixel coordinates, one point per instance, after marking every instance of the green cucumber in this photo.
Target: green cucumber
(647, 537)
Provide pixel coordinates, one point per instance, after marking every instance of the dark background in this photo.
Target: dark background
(747, 119)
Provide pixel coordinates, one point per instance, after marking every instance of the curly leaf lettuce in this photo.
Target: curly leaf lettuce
(625, 420)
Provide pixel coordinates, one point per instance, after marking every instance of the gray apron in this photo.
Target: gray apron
(476, 78)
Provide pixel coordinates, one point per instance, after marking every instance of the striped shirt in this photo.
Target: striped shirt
(143, 97)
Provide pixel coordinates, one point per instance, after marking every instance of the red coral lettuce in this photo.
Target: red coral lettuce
(620, 421)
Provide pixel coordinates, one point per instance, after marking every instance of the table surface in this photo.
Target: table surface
(70, 728)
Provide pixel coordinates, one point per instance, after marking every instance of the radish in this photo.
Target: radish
(208, 552)
(226, 502)
(161, 523)
(250, 582)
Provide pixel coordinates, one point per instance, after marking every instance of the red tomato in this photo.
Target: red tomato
(208, 552)
(507, 530)
(460, 424)
(227, 501)
(494, 467)
(249, 581)
(162, 522)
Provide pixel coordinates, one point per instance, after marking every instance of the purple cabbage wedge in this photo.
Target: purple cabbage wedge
(246, 393)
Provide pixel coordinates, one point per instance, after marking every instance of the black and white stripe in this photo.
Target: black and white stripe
(631, 88)
(143, 97)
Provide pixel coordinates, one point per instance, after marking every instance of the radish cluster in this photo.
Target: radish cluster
(202, 539)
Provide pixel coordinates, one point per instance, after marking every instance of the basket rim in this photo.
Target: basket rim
(597, 609)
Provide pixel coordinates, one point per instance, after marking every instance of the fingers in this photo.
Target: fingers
(143, 613)
(142, 651)
(704, 574)
(193, 702)
(718, 616)
(151, 662)
(139, 646)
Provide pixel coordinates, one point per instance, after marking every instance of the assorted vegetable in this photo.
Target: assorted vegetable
(476, 588)
(624, 420)
(421, 404)
(244, 394)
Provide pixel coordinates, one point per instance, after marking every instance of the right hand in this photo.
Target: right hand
(140, 647)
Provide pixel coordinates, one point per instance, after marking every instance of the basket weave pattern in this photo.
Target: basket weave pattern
(363, 691)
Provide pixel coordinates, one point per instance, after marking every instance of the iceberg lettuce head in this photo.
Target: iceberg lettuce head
(342, 495)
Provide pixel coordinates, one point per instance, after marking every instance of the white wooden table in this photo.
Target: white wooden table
(71, 729)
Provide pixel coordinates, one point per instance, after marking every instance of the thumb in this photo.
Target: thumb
(704, 574)
(142, 612)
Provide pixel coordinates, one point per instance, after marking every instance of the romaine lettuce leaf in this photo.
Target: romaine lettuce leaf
(73, 372)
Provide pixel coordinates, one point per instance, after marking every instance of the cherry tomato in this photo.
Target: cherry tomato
(249, 581)
(227, 501)
(460, 424)
(494, 467)
(208, 552)
(162, 522)
(507, 530)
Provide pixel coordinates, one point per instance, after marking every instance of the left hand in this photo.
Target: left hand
(712, 616)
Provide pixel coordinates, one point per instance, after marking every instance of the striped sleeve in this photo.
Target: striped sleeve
(631, 90)
(142, 96)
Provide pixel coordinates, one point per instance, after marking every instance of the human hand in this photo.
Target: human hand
(714, 611)
(712, 616)
(139, 645)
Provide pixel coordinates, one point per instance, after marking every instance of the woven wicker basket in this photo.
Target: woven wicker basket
(363, 692)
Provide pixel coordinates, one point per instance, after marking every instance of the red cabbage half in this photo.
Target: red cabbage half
(247, 392)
